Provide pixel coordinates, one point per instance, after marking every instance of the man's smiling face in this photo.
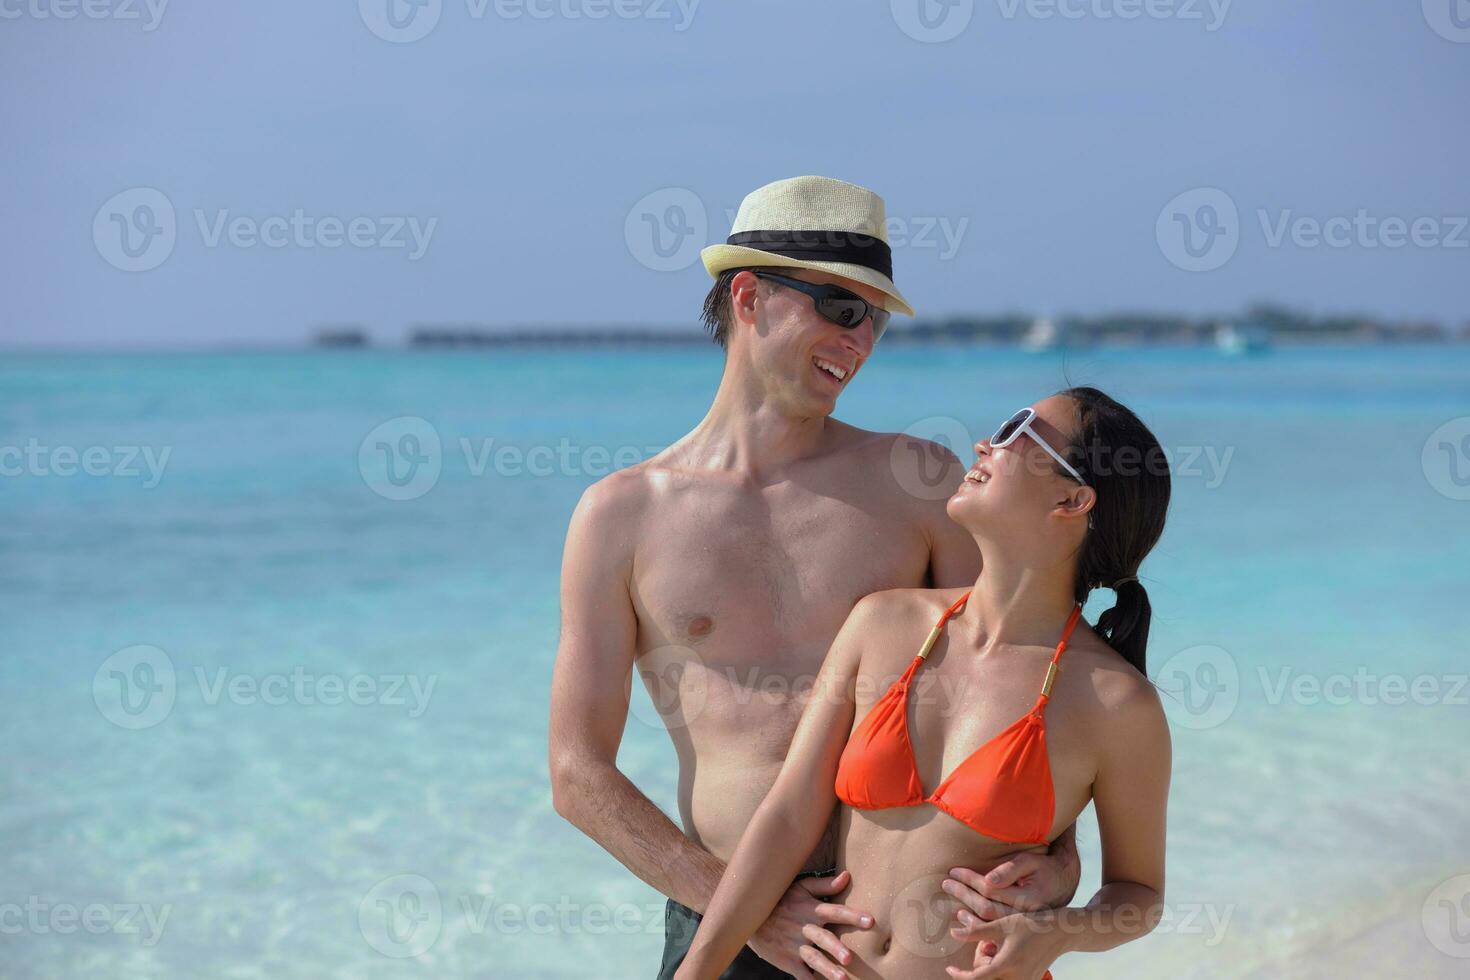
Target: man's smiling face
(806, 358)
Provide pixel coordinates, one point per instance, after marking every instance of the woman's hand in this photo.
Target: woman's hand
(796, 937)
(1013, 947)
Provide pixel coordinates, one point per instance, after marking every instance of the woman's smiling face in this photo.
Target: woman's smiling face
(1020, 481)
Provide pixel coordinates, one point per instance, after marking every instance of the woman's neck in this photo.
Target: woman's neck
(1021, 601)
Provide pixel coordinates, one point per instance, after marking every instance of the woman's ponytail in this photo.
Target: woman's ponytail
(1125, 626)
(1122, 461)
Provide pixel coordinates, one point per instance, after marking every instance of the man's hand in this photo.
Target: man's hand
(796, 939)
(1013, 947)
(1025, 882)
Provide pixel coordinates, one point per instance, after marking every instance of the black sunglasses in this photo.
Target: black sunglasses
(843, 307)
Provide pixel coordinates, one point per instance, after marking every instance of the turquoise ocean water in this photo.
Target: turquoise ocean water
(263, 719)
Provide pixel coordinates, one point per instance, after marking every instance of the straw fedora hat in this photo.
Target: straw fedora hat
(812, 223)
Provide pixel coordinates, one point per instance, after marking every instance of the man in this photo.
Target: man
(724, 566)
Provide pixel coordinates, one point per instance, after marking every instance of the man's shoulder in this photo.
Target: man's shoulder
(922, 472)
(857, 440)
(904, 448)
(620, 496)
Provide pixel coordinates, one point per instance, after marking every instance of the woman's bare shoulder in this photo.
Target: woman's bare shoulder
(892, 624)
(902, 607)
(1115, 684)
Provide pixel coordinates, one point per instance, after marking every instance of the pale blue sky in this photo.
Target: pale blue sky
(1045, 147)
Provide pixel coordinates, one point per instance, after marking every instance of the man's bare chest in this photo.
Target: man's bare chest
(762, 578)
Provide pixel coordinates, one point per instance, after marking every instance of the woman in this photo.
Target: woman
(1012, 717)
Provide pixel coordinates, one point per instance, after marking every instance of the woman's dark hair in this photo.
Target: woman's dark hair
(1120, 459)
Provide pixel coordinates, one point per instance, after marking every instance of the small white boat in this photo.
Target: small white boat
(1238, 341)
(1042, 336)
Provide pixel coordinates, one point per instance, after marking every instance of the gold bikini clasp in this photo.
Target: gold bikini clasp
(1051, 675)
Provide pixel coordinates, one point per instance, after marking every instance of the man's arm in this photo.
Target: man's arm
(590, 687)
(933, 475)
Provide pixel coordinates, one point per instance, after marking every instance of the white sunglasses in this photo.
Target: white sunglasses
(1010, 430)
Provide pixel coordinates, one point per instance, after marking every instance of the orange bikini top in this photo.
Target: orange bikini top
(1003, 790)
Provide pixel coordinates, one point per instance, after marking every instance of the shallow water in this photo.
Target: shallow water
(301, 725)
